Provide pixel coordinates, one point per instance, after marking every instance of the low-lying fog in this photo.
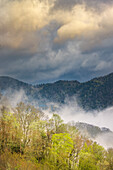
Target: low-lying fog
(104, 118)
(71, 111)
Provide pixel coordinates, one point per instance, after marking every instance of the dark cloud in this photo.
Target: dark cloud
(66, 63)
(69, 4)
(66, 41)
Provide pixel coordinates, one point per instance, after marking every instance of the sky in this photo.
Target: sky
(48, 40)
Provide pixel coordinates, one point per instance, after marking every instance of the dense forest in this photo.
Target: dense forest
(96, 94)
(31, 140)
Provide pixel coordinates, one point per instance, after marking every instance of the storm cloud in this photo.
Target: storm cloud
(49, 40)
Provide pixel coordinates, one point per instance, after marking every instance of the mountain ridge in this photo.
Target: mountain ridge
(96, 93)
(92, 131)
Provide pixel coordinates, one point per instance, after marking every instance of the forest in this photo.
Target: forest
(96, 94)
(30, 140)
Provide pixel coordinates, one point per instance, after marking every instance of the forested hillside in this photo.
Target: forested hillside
(32, 141)
(94, 94)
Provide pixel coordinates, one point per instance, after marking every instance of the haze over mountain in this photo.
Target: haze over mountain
(94, 94)
(103, 135)
(56, 76)
(91, 130)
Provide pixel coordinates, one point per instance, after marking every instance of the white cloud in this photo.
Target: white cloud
(71, 111)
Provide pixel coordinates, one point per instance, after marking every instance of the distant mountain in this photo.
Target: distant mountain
(8, 84)
(103, 136)
(97, 93)
(94, 94)
(91, 130)
(11, 83)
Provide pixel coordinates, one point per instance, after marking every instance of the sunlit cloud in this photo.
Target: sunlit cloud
(80, 22)
(21, 18)
(47, 39)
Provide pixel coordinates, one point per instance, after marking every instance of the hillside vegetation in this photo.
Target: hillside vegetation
(29, 140)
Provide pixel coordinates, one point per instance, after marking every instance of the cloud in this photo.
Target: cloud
(16, 97)
(20, 19)
(93, 28)
(54, 64)
(21, 22)
(80, 22)
(68, 5)
(43, 40)
(106, 140)
(47, 40)
(72, 112)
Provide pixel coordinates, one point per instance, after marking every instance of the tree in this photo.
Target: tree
(62, 145)
(26, 115)
(92, 156)
(87, 161)
(55, 122)
(110, 158)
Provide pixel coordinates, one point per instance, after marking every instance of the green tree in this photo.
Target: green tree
(110, 158)
(62, 146)
(92, 156)
(87, 161)
(55, 123)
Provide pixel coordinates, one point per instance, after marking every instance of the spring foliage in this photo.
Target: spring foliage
(30, 140)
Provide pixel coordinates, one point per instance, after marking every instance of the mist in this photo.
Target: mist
(106, 140)
(70, 111)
